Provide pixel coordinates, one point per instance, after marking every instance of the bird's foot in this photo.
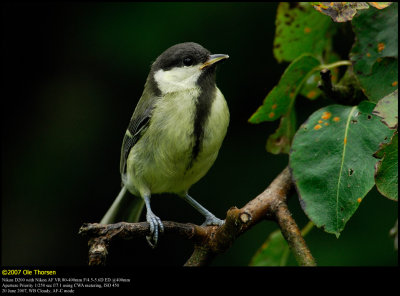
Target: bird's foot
(156, 227)
(212, 220)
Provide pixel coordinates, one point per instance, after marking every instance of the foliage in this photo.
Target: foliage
(332, 162)
(304, 29)
(345, 11)
(375, 51)
(387, 109)
(344, 149)
(386, 174)
(275, 251)
(280, 103)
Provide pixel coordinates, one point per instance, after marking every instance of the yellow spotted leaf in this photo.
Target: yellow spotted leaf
(333, 165)
(281, 97)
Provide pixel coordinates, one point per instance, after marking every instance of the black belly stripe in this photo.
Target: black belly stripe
(202, 112)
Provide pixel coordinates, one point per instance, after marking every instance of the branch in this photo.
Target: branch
(101, 235)
(293, 236)
(270, 204)
(212, 240)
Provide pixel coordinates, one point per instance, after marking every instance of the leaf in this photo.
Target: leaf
(340, 11)
(300, 29)
(273, 252)
(281, 140)
(376, 34)
(386, 170)
(387, 109)
(345, 11)
(282, 96)
(382, 81)
(380, 5)
(332, 163)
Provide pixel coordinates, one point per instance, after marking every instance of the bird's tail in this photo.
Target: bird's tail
(126, 207)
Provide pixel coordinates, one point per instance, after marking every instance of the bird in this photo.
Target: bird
(173, 137)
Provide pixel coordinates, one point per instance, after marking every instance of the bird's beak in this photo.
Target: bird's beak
(212, 59)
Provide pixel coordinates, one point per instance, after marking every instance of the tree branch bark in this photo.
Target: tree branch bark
(293, 236)
(101, 235)
(212, 240)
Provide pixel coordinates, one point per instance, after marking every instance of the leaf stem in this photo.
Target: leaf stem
(333, 65)
(307, 228)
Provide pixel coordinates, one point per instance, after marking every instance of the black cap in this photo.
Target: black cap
(182, 54)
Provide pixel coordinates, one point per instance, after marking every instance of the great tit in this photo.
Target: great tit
(174, 135)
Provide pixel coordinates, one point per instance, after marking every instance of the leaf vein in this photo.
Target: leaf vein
(341, 166)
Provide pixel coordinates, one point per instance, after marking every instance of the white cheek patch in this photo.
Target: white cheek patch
(177, 79)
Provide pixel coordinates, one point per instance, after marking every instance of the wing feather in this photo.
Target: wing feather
(137, 125)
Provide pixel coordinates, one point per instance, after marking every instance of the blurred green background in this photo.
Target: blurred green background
(72, 75)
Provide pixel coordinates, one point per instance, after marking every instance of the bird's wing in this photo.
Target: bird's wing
(138, 123)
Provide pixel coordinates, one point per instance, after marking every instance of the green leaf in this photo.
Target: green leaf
(300, 29)
(282, 96)
(281, 140)
(310, 88)
(382, 81)
(340, 11)
(273, 252)
(376, 37)
(387, 109)
(375, 52)
(332, 163)
(386, 170)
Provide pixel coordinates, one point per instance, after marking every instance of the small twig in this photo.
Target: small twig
(292, 234)
(326, 83)
(211, 240)
(346, 92)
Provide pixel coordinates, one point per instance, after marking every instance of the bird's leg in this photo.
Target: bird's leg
(156, 225)
(210, 218)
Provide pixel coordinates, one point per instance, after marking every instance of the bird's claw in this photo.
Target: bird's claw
(156, 227)
(212, 220)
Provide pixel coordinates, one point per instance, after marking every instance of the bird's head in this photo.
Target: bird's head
(181, 66)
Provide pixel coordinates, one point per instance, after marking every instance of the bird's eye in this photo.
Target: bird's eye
(188, 61)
